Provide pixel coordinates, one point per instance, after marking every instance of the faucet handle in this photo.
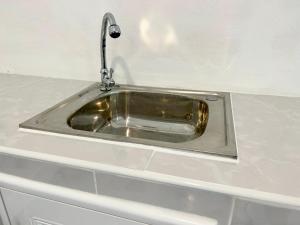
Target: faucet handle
(106, 73)
(107, 80)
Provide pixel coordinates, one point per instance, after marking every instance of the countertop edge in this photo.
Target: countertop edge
(237, 192)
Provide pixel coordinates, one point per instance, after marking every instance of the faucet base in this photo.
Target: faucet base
(107, 80)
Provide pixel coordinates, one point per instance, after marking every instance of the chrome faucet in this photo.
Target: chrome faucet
(114, 31)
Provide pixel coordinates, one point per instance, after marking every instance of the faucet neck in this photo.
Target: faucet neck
(114, 31)
(108, 17)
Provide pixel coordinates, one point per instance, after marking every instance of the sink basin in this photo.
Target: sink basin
(155, 116)
(177, 119)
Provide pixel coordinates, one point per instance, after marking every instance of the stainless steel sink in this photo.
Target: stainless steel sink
(177, 119)
(147, 115)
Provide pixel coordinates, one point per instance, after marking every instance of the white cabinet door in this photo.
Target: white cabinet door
(25, 209)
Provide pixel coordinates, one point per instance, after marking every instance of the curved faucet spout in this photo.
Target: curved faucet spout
(114, 31)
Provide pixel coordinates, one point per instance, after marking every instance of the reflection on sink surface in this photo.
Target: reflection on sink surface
(177, 119)
(156, 116)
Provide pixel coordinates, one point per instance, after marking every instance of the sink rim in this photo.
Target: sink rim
(46, 120)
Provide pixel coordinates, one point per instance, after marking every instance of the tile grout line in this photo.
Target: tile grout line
(231, 211)
(150, 159)
(95, 182)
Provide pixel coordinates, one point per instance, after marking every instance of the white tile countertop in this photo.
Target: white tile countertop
(267, 133)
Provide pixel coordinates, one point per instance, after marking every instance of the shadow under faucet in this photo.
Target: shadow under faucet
(119, 62)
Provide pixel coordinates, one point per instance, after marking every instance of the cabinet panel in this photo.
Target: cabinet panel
(47, 172)
(184, 199)
(25, 209)
(250, 213)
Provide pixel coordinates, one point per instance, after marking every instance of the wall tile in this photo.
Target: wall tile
(51, 173)
(185, 199)
(235, 45)
(249, 213)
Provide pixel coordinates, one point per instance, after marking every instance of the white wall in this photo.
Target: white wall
(250, 46)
